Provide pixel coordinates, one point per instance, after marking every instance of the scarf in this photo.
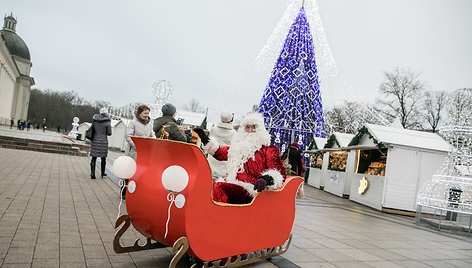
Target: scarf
(142, 121)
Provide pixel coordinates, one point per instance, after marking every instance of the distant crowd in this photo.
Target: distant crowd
(23, 124)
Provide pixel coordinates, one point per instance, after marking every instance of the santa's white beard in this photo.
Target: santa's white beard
(243, 147)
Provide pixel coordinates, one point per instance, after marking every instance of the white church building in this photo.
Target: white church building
(15, 80)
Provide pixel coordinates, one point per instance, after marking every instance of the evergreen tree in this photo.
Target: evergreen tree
(291, 103)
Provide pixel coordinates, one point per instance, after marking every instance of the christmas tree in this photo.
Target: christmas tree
(291, 103)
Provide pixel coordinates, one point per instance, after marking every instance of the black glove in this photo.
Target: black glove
(262, 182)
(203, 136)
(260, 185)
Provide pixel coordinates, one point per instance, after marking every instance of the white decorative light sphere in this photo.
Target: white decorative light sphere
(131, 186)
(174, 178)
(124, 167)
(179, 201)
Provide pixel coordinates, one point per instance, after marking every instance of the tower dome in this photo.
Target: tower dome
(14, 43)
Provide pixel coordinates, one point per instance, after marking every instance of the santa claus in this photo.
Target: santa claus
(253, 163)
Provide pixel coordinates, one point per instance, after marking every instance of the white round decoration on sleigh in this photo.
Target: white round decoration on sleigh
(179, 201)
(131, 186)
(174, 178)
(124, 167)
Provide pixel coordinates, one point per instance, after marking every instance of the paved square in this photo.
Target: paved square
(53, 215)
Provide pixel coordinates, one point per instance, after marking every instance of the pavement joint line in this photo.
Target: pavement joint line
(93, 217)
(42, 212)
(76, 216)
(26, 206)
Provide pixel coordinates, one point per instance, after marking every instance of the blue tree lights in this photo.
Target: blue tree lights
(291, 103)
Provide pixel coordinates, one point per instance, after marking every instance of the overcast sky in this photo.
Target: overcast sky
(116, 50)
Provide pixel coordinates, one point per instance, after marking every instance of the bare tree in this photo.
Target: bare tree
(401, 96)
(101, 103)
(58, 108)
(434, 104)
(460, 107)
(193, 106)
(348, 117)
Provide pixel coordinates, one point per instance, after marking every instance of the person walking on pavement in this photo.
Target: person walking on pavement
(102, 128)
(222, 132)
(12, 122)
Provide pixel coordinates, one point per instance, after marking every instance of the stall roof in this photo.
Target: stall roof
(406, 137)
(115, 122)
(190, 118)
(324, 150)
(343, 138)
(320, 142)
(88, 124)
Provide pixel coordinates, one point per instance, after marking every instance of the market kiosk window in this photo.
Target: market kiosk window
(337, 160)
(317, 160)
(372, 162)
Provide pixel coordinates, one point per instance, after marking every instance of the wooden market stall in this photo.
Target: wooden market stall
(339, 162)
(391, 164)
(316, 153)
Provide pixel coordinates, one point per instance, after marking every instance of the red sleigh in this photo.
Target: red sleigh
(198, 225)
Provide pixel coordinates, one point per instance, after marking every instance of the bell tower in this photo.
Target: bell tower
(9, 23)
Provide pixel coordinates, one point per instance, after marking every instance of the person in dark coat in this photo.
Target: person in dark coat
(12, 122)
(295, 159)
(166, 126)
(102, 129)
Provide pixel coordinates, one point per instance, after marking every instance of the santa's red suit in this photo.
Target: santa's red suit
(249, 157)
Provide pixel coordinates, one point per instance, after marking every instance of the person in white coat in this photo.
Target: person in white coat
(222, 132)
(139, 126)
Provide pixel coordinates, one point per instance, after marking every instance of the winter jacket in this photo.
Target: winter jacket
(136, 128)
(171, 127)
(266, 161)
(222, 133)
(295, 160)
(102, 126)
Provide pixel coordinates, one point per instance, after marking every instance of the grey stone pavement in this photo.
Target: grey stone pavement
(53, 215)
(35, 134)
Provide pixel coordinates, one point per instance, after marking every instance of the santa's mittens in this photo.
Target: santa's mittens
(268, 179)
(201, 133)
(260, 185)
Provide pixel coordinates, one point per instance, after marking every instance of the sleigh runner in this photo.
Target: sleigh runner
(169, 200)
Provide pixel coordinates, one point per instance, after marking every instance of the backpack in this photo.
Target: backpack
(89, 133)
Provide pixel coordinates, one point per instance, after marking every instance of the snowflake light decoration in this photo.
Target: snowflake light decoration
(451, 188)
(162, 90)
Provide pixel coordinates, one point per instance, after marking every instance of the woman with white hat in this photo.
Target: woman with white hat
(102, 128)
